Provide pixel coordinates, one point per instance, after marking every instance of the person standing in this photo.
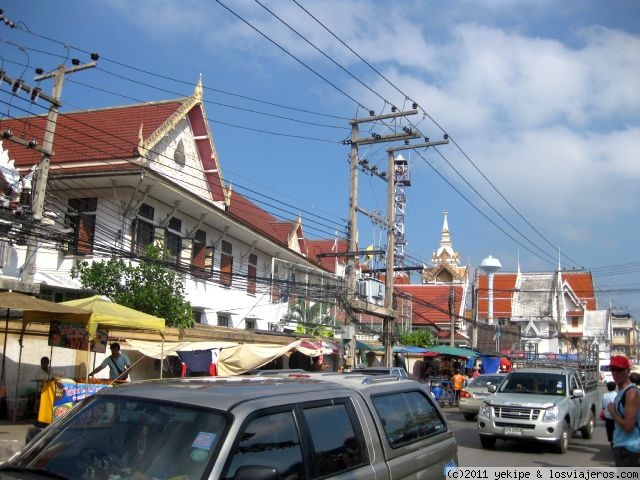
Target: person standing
(625, 411)
(43, 373)
(118, 363)
(458, 382)
(608, 397)
(476, 372)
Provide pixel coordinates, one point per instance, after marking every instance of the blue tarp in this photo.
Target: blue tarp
(490, 364)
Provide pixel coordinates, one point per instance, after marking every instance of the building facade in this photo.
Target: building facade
(124, 178)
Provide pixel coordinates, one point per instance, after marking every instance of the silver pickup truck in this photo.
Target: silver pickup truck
(542, 404)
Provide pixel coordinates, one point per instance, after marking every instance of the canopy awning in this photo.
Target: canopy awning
(452, 351)
(112, 315)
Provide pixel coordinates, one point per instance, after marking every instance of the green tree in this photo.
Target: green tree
(417, 338)
(150, 287)
(310, 319)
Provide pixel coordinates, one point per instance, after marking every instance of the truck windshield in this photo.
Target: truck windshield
(534, 383)
(114, 437)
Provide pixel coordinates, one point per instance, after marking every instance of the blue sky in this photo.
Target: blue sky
(540, 98)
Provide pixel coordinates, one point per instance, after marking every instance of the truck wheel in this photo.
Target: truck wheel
(487, 442)
(562, 444)
(469, 416)
(587, 430)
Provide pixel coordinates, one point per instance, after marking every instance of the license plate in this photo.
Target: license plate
(513, 430)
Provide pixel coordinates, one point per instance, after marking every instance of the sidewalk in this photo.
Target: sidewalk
(12, 436)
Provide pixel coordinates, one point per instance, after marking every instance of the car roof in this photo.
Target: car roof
(226, 392)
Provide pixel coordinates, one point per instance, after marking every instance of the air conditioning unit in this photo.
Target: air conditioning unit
(371, 290)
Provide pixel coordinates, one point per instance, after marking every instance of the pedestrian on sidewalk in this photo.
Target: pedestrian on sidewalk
(607, 398)
(625, 411)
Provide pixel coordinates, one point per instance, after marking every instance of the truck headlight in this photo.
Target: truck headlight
(550, 414)
(485, 410)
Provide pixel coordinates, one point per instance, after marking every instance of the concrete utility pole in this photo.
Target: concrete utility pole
(355, 304)
(42, 176)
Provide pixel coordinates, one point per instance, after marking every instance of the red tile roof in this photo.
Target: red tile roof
(582, 285)
(315, 247)
(103, 134)
(503, 287)
(430, 303)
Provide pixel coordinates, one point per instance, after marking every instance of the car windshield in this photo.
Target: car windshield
(534, 383)
(111, 437)
(485, 380)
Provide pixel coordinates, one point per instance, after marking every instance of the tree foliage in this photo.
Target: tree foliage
(310, 319)
(149, 286)
(417, 338)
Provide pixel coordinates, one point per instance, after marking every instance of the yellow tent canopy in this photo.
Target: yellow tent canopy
(108, 314)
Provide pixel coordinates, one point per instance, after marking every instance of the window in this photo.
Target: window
(251, 274)
(199, 252)
(81, 217)
(197, 315)
(226, 264)
(503, 321)
(223, 320)
(407, 417)
(336, 444)
(250, 324)
(143, 229)
(179, 156)
(270, 440)
(574, 322)
(173, 239)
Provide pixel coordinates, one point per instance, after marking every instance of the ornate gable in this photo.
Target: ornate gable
(182, 149)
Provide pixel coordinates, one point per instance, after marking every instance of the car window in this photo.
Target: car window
(111, 437)
(407, 417)
(534, 383)
(484, 380)
(336, 444)
(270, 440)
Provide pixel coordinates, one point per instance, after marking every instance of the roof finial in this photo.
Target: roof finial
(197, 93)
(445, 241)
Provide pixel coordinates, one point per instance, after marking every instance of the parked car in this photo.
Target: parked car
(398, 372)
(308, 426)
(475, 392)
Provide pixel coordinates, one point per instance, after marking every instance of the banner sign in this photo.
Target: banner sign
(59, 396)
(71, 335)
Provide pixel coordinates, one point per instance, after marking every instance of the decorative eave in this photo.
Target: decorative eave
(145, 145)
(566, 289)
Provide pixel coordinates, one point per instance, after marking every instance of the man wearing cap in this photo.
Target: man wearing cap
(625, 411)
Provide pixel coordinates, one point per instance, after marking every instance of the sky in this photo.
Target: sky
(539, 100)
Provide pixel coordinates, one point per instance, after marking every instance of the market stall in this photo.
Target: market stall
(60, 394)
(32, 310)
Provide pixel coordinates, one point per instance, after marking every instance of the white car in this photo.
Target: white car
(605, 374)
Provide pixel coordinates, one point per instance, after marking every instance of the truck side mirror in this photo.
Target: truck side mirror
(577, 393)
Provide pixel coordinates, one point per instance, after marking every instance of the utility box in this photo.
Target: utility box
(371, 290)
(348, 332)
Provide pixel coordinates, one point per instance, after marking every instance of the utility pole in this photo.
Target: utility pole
(355, 304)
(42, 176)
